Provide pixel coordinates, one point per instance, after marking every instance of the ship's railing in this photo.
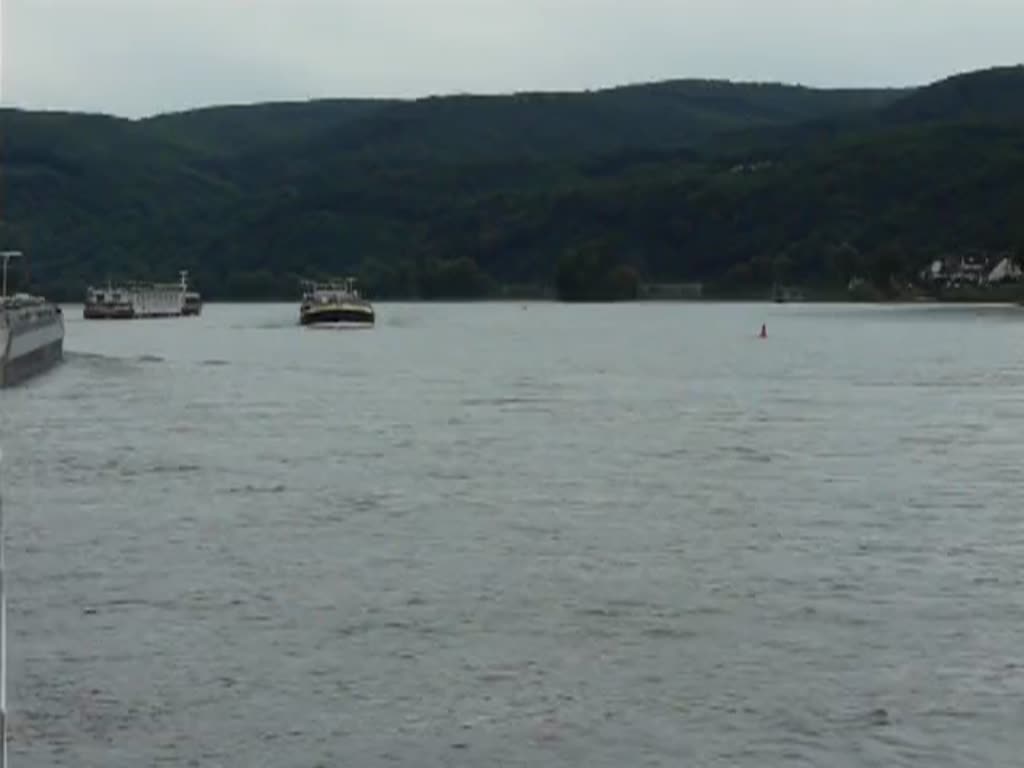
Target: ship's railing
(19, 300)
(168, 287)
(23, 319)
(138, 285)
(343, 282)
(22, 298)
(341, 289)
(321, 299)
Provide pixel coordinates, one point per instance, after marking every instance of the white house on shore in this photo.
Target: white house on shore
(1005, 271)
(973, 269)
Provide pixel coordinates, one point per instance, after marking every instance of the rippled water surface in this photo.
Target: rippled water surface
(496, 535)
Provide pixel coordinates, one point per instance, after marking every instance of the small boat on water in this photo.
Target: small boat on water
(334, 303)
(31, 333)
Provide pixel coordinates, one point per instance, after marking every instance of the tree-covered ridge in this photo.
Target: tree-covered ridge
(738, 186)
(240, 129)
(991, 94)
(670, 113)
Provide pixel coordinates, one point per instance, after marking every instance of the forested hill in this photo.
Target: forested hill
(738, 185)
(235, 130)
(666, 114)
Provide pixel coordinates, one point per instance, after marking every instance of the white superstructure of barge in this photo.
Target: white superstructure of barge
(127, 301)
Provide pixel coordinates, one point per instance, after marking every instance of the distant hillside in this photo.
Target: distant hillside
(663, 115)
(735, 184)
(895, 199)
(234, 130)
(89, 195)
(992, 94)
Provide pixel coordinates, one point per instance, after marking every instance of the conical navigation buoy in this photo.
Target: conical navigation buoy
(764, 331)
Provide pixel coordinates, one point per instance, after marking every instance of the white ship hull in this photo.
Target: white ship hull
(28, 347)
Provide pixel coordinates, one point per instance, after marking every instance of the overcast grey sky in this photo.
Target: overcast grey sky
(137, 57)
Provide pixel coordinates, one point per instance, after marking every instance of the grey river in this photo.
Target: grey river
(508, 535)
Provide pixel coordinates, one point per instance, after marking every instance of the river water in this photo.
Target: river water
(508, 535)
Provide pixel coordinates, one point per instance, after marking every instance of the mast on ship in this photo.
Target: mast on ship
(7, 256)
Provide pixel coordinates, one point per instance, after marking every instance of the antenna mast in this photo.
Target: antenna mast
(7, 256)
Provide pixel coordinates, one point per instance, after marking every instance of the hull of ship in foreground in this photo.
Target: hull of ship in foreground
(19, 365)
(131, 301)
(31, 337)
(335, 305)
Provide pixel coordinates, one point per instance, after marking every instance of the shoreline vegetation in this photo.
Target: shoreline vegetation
(1012, 294)
(622, 286)
(681, 190)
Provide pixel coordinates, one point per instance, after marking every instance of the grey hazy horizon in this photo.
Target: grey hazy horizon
(133, 59)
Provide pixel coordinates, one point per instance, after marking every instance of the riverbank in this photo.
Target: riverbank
(687, 293)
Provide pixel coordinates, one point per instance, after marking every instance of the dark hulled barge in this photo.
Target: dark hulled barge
(336, 303)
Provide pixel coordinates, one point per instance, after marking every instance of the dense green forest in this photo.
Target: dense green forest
(590, 195)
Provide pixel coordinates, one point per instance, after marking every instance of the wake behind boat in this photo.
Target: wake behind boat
(31, 333)
(334, 303)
